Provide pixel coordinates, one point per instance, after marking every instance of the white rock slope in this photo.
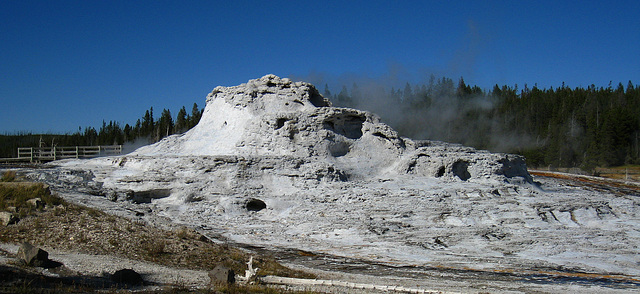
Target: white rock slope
(290, 126)
(271, 163)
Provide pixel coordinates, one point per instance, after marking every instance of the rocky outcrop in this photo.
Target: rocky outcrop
(34, 256)
(8, 218)
(222, 275)
(272, 131)
(456, 162)
(36, 203)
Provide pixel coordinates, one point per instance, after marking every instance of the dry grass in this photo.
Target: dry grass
(8, 176)
(14, 197)
(87, 230)
(68, 227)
(627, 172)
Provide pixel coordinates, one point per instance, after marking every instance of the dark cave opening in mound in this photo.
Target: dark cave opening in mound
(460, 169)
(255, 205)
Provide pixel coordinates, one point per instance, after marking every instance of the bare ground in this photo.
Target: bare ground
(91, 245)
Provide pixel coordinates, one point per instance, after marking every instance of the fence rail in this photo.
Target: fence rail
(54, 153)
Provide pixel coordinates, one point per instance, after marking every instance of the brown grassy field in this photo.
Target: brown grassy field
(627, 172)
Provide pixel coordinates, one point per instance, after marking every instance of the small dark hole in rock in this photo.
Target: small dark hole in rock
(280, 122)
(339, 149)
(460, 169)
(329, 125)
(255, 205)
(440, 172)
(381, 135)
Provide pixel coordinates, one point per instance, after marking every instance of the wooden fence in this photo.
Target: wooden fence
(35, 154)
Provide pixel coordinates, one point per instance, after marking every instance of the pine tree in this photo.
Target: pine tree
(137, 130)
(356, 94)
(165, 124)
(148, 123)
(181, 120)
(343, 98)
(128, 133)
(195, 116)
(463, 91)
(407, 95)
(327, 93)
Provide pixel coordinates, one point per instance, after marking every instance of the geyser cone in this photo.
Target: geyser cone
(274, 117)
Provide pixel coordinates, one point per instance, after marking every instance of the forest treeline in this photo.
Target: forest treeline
(558, 127)
(146, 130)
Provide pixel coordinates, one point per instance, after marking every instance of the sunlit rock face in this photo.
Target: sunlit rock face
(272, 163)
(273, 128)
(272, 136)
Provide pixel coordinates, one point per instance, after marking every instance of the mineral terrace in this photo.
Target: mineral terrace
(273, 164)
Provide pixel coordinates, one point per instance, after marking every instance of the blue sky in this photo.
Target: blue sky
(70, 64)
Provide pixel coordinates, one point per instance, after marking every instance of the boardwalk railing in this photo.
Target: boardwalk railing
(54, 153)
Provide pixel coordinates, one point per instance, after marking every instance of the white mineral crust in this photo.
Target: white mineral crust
(338, 181)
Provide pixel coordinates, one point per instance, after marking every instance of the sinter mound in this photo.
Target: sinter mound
(272, 130)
